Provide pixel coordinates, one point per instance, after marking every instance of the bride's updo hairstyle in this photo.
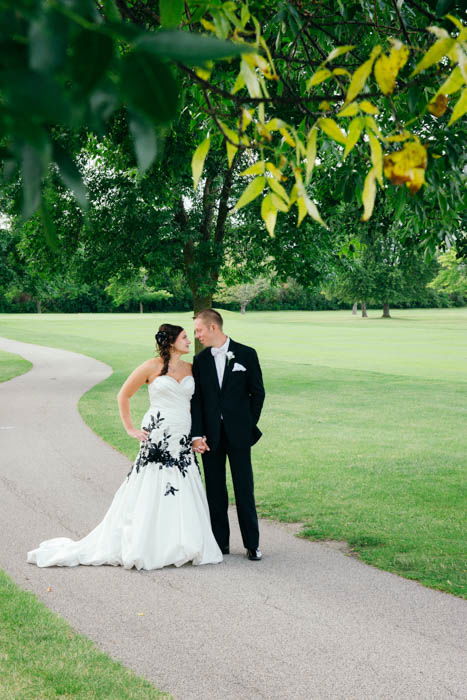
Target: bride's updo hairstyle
(165, 338)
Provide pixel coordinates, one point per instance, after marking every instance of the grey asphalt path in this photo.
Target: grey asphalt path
(306, 622)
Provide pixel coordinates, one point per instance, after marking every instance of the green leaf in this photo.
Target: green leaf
(47, 41)
(70, 175)
(35, 157)
(171, 12)
(111, 11)
(191, 49)
(197, 161)
(145, 140)
(91, 56)
(149, 86)
(253, 190)
(48, 225)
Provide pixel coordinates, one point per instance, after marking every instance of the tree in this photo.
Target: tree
(242, 294)
(382, 265)
(135, 289)
(452, 277)
(75, 64)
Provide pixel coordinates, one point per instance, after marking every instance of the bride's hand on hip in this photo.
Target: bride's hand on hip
(141, 435)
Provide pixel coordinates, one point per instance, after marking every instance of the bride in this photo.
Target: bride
(159, 515)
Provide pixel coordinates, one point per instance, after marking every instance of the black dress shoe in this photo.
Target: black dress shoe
(254, 554)
(225, 550)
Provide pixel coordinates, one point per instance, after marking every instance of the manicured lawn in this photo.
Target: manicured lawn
(12, 365)
(364, 422)
(42, 657)
(40, 654)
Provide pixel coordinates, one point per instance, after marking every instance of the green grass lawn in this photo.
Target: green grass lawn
(12, 365)
(364, 422)
(40, 654)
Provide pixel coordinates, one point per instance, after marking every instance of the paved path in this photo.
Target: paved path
(306, 622)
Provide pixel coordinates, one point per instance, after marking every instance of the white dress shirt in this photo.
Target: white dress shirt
(220, 357)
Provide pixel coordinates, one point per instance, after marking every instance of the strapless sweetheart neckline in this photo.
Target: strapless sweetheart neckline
(161, 376)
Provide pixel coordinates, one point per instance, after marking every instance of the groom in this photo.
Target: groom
(225, 409)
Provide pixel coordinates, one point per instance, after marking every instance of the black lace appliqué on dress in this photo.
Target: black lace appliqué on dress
(152, 452)
(170, 489)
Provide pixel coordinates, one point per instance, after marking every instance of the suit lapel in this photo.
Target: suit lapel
(211, 364)
(228, 365)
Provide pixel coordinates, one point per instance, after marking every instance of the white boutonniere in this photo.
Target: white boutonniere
(230, 356)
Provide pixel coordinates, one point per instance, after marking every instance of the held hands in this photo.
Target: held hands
(200, 445)
(141, 435)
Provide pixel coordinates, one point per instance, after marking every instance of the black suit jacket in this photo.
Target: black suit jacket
(239, 400)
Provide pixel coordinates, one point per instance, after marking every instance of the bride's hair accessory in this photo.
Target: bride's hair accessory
(161, 337)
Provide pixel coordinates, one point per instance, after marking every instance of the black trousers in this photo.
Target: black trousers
(216, 490)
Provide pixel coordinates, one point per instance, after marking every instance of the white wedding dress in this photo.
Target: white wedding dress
(159, 515)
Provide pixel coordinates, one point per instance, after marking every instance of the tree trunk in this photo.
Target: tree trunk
(386, 313)
(38, 306)
(364, 313)
(243, 306)
(354, 309)
(141, 310)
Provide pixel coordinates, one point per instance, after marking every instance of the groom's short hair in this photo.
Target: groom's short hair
(210, 316)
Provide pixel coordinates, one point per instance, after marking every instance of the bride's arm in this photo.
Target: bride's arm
(137, 378)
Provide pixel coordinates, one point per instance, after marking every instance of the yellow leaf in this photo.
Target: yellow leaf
(349, 111)
(369, 108)
(360, 76)
(460, 108)
(279, 202)
(275, 125)
(252, 191)
(287, 137)
(438, 105)
(324, 106)
(387, 67)
(434, 54)
(376, 157)
(311, 152)
(340, 71)
(452, 84)
(203, 73)
(140, 614)
(355, 129)
(455, 21)
(407, 166)
(369, 194)
(197, 161)
(303, 200)
(230, 133)
(275, 172)
(246, 118)
(255, 169)
(269, 213)
(293, 194)
(339, 51)
(330, 127)
(399, 137)
(239, 83)
(250, 78)
(301, 206)
(278, 189)
(231, 151)
(208, 25)
(373, 126)
(319, 77)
